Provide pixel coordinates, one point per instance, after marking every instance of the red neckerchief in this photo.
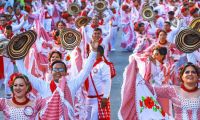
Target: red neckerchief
(94, 26)
(53, 86)
(187, 90)
(97, 61)
(157, 17)
(101, 22)
(100, 41)
(168, 30)
(1, 29)
(18, 18)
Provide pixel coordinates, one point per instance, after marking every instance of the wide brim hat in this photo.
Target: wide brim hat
(148, 13)
(19, 45)
(70, 38)
(195, 24)
(188, 40)
(82, 21)
(3, 45)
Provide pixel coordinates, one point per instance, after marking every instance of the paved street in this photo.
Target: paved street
(120, 60)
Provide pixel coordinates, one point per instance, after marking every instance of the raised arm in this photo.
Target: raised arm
(40, 85)
(75, 83)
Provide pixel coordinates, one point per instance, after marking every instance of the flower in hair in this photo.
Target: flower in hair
(12, 79)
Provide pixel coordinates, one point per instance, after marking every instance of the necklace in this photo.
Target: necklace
(187, 90)
(20, 103)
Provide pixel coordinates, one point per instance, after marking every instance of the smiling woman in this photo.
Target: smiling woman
(25, 108)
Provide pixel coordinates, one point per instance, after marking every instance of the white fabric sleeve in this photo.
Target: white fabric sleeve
(75, 83)
(106, 77)
(40, 85)
(18, 27)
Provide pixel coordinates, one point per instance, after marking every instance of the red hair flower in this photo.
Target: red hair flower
(12, 79)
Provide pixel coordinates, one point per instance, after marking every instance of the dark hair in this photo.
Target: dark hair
(156, 11)
(14, 76)
(167, 22)
(9, 7)
(183, 68)
(59, 61)
(98, 29)
(162, 50)
(60, 22)
(171, 13)
(140, 24)
(9, 27)
(52, 52)
(100, 49)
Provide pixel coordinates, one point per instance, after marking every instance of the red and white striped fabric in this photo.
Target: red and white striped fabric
(56, 108)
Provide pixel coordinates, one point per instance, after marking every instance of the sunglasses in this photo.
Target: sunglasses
(58, 69)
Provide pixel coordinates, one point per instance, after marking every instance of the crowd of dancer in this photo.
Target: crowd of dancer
(54, 82)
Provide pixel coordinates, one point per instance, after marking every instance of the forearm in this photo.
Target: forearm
(107, 88)
(85, 71)
(40, 85)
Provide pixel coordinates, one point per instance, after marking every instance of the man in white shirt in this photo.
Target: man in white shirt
(59, 73)
(101, 78)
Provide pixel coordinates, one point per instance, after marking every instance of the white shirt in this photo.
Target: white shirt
(102, 80)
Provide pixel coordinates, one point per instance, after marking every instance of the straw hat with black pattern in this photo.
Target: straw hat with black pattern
(19, 45)
(82, 21)
(195, 24)
(70, 38)
(3, 45)
(188, 40)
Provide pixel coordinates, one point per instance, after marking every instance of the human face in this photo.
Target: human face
(141, 29)
(8, 32)
(166, 26)
(190, 76)
(2, 21)
(54, 57)
(157, 55)
(17, 11)
(162, 36)
(10, 10)
(96, 35)
(58, 71)
(19, 88)
(60, 26)
(95, 21)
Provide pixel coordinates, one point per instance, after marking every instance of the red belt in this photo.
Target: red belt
(90, 96)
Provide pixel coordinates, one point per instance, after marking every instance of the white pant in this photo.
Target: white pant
(92, 109)
(8, 71)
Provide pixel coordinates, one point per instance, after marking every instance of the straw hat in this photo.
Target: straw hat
(195, 24)
(82, 21)
(70, 38)
(19, 45)
(188, 40)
